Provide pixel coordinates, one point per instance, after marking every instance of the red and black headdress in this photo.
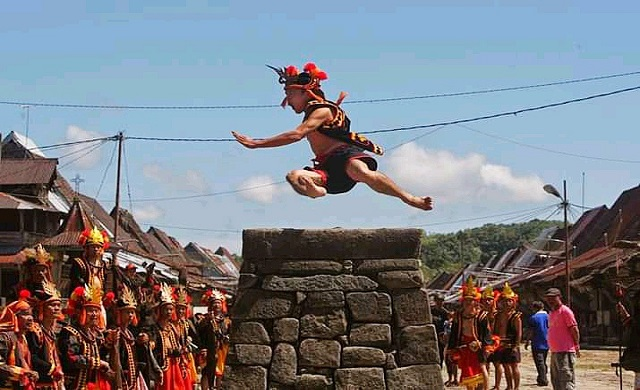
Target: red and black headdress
(308, 80)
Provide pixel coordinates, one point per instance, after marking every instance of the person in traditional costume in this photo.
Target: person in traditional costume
(81, 344)
(90, 268)
(340, 159)
(488, 304)
(214, 336)
(42, 338)
(166, 344)
(188, 336)
(470, 340)
(508, 327)
(16, 371)
(36, 269)
(126, 319)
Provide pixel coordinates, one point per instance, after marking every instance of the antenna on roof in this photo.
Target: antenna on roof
(26, 107)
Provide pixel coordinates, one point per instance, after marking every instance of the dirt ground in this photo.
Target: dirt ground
(593, 372)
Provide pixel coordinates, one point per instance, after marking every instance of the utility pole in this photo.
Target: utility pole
(114, 261)
(567, 268)
(116, 354)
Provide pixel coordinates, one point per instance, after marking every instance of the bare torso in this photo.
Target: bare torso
(322, 144)
(502, 321)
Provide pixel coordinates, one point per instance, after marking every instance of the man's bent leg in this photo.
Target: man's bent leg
(359, 171)
(306, 183)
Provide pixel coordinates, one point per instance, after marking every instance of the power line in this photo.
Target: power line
(546, 149)
(508, 113)
(418, 127)
(208, 194)
(363, 101)
(518, 212)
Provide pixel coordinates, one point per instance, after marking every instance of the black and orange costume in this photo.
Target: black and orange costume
(187, 334)
(84, 272)
(167, 349)
(81, 347)
(130, 375)
(508, 350)
(331, 167)
(42, 342)
(470, 340)
(214, 336)
(15, 359)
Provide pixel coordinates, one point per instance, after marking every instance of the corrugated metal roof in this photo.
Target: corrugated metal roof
(24, 141)
(11, 202)
(18, 171)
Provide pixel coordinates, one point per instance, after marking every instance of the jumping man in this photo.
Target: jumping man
(340, 159)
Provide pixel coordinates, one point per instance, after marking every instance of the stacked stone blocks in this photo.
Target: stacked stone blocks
(332, 309)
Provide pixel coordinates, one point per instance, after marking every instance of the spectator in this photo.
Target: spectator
(631, 356)
(564, 341)
(452, 366)
(439, 315)
(538, 327)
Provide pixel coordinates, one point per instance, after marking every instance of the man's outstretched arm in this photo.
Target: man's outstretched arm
(315, 120)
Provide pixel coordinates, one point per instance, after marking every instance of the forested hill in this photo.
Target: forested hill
(448, 252)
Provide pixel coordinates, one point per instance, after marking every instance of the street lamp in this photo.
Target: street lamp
(548, 188)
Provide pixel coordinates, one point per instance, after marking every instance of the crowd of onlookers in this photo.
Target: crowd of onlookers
(553, 337)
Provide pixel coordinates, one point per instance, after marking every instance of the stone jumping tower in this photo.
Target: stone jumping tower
(332, 309)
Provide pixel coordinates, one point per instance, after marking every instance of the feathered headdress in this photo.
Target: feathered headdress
(48, 293)
(82, 297)
(215, 295)
(38, 256)
(507, 292)
(164, 295)
(94, 237)
(8, 320)
(308, 80)
(126, 299)
(469, 290)
(182, 297)
(488, 293)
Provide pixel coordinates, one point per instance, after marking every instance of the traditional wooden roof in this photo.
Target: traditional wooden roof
(23, 171)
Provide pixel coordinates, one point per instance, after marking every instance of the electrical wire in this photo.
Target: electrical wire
(507, 113)
(518, 212)
(363, 101)
(126, 176)
(426, 126)
(546, 149)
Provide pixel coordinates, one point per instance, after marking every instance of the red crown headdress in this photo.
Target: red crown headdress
(94, 237)
(308, 80)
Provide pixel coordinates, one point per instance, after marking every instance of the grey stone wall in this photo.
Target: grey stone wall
(332, 309)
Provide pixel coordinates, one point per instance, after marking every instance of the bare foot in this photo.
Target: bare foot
(425, 203)
(311, 189)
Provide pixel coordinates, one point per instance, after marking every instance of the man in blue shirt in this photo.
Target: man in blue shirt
(537, 337)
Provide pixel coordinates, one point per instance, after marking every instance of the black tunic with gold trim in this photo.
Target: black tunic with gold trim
(44, 357)
(80, 356)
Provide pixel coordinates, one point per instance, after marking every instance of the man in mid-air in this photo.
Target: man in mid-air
(340, 159)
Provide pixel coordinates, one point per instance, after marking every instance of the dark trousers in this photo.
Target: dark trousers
(540, 359)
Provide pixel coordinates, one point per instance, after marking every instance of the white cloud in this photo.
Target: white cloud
(260, 189)
(449, 178)
(148, 213)
(81, 159)
(189, 180)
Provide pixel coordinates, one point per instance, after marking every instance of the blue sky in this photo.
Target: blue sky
(198, 53)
